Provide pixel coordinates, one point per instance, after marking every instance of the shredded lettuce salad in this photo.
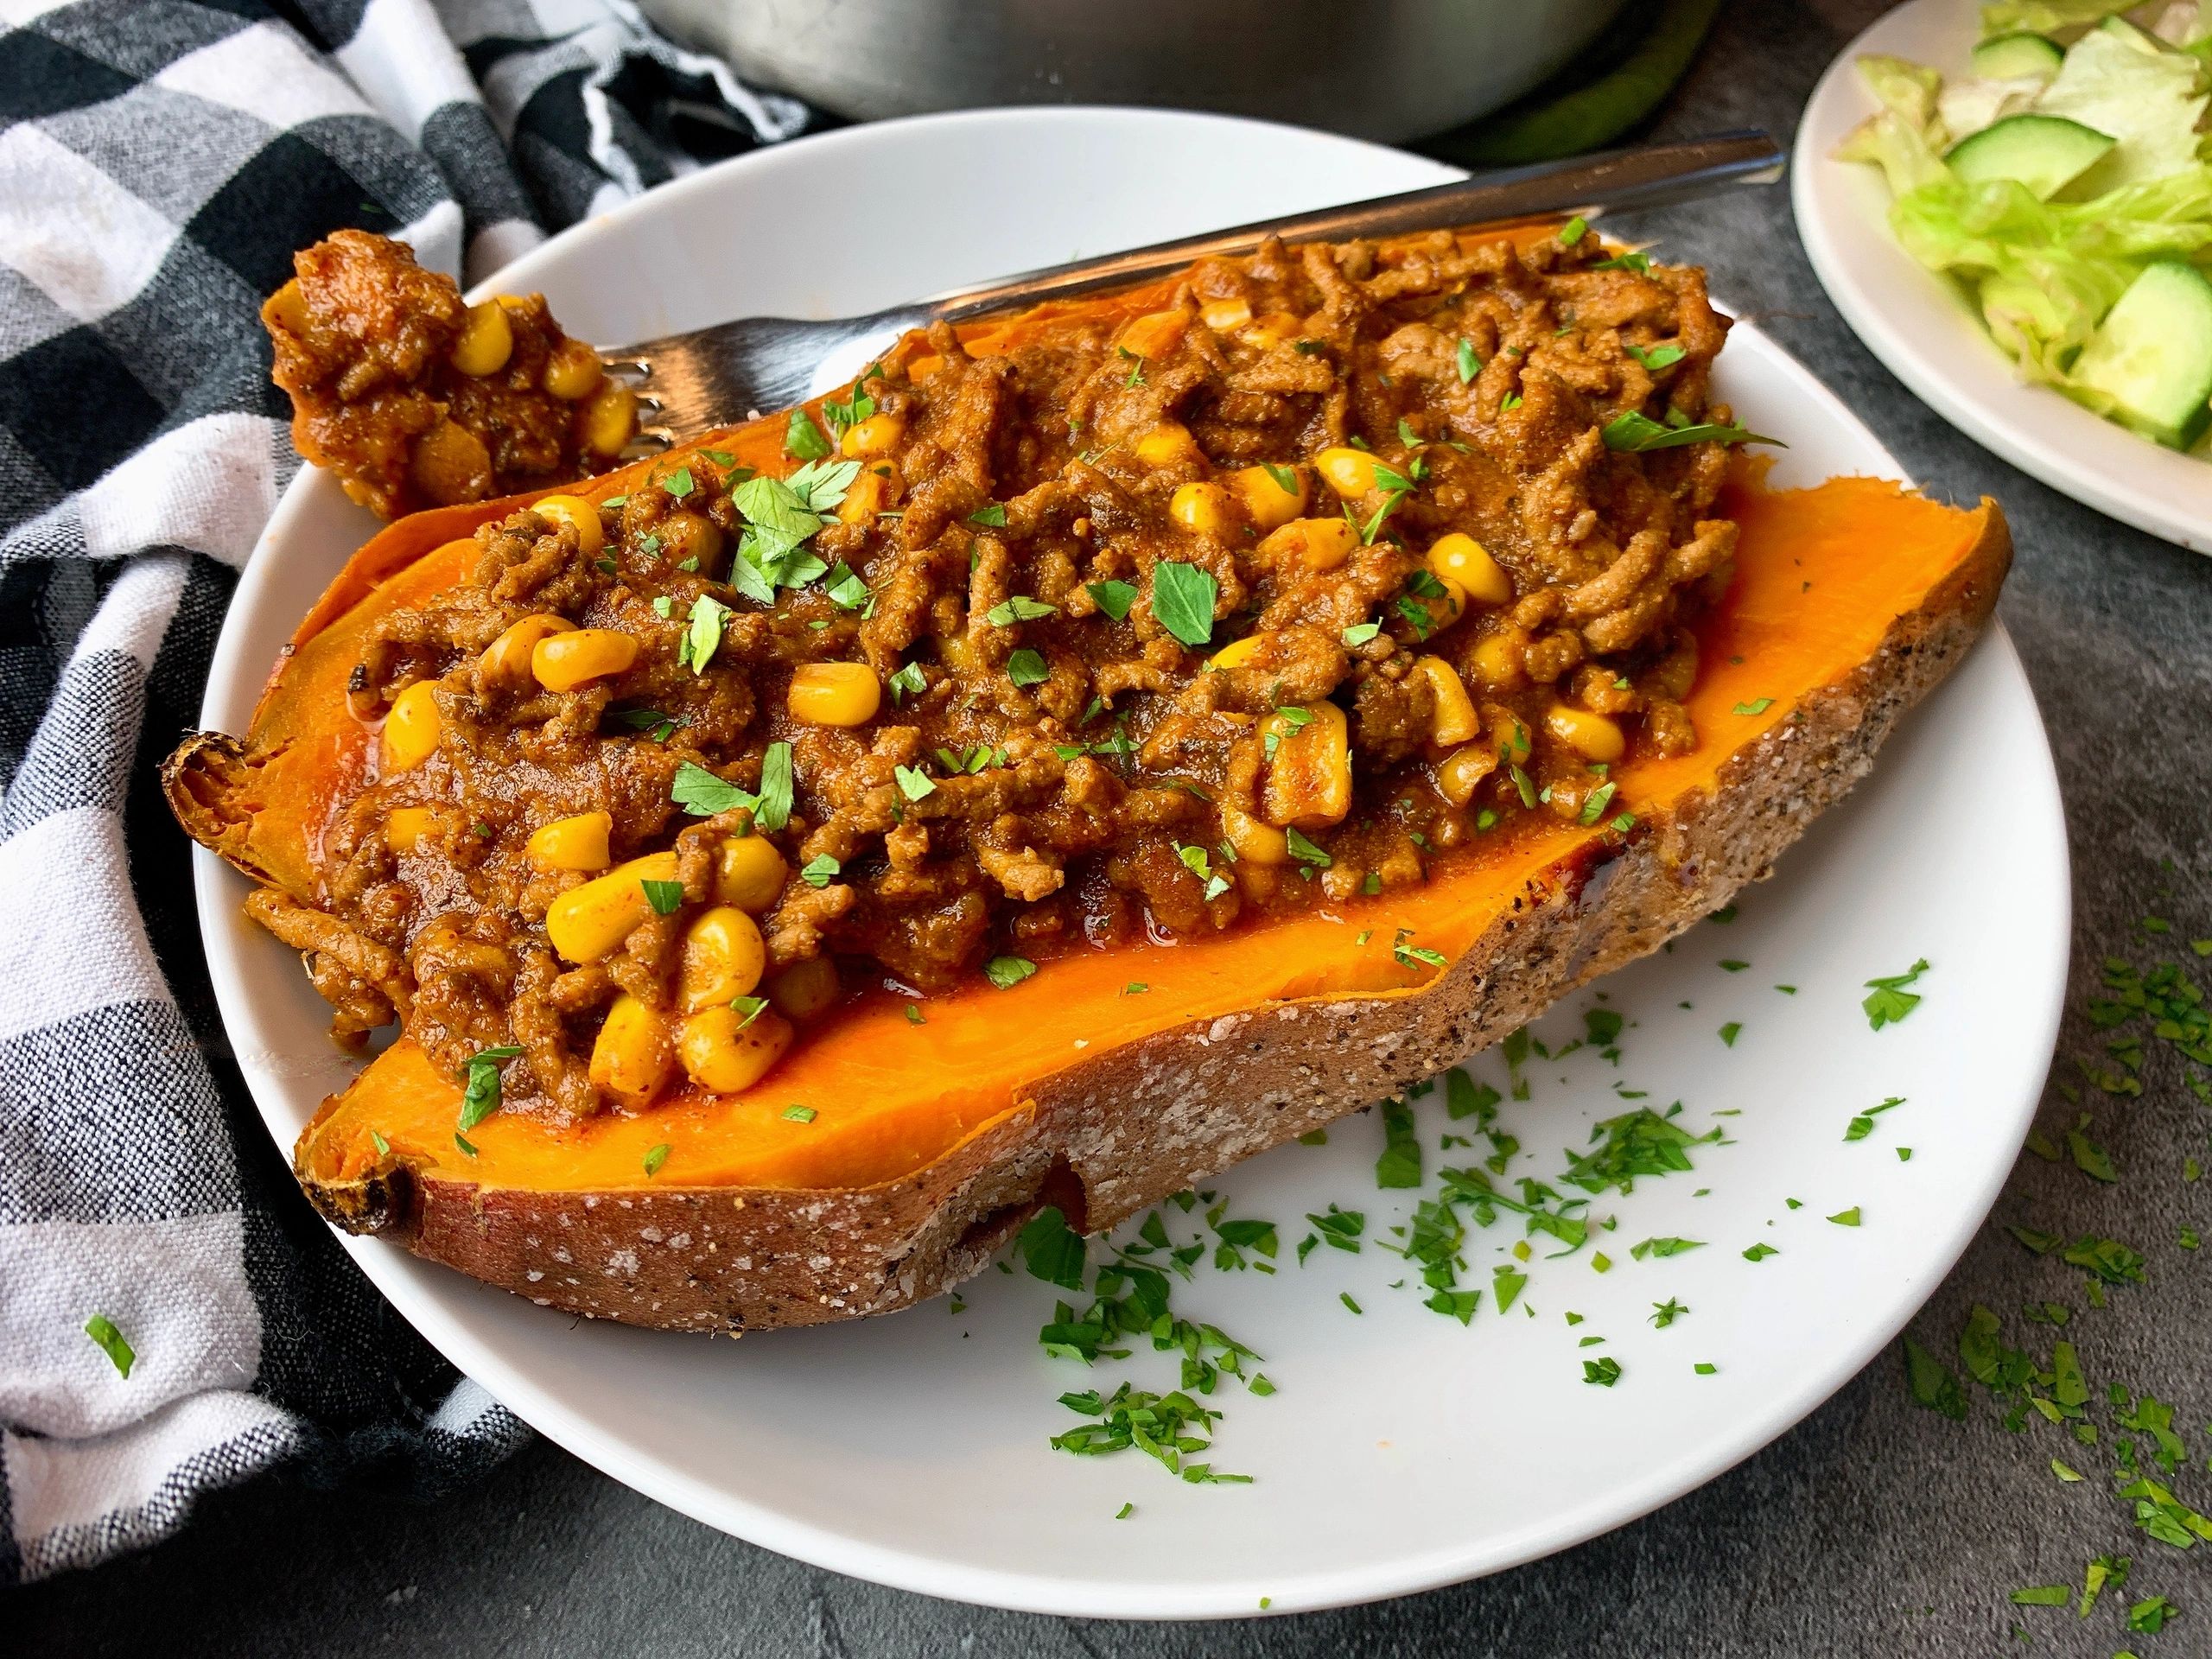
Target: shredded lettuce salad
(2045, 269)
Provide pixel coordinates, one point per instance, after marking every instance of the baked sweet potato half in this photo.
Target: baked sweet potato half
(1312, 876)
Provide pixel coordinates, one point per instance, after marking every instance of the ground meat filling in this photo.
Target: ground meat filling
(1342, 560)
(417, 400)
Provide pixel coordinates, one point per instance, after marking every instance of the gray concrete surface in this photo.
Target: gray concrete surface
(1875, 1528)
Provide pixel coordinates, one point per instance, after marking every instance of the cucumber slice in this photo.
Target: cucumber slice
(2152, 354)
(2045, 152)
(2018, 56)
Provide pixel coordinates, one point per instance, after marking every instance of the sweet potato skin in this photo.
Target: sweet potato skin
(1107, 1137)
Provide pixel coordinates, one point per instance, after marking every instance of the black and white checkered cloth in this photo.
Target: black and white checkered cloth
(159, 162)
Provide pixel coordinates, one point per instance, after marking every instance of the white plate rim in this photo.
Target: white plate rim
(1958, 371)
(233, 679)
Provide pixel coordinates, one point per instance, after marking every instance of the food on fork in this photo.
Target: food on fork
(415, 399)
(1092, 748)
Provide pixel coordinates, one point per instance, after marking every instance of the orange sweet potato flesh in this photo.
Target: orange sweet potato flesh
(912, 1124)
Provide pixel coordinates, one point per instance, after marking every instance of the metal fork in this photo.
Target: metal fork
(689, 383)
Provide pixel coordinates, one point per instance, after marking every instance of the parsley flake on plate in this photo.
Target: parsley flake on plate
(110, 1341)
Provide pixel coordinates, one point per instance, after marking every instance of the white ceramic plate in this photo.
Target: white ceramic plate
(1403, 1451)
(1922, 326)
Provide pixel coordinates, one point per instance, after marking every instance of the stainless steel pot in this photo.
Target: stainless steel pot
(1384, 69)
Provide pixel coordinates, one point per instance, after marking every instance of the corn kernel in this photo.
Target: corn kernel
(1461, 771)
(572, 372)
(879, 434)
(1239, 653)
(750, 873)
(631, 1058)
(834, 693)
(576, 843)
(876, 488)
(726, 1053)
(1272, 329)
(722, 958)
(505, 661)
(1253, 842)
(1455, 720)
(1203, 509)
(488, 340)
(806, 989)
(1498, 662)
(563, 662)
(610, 419)
(1168, 444)
(406, 827)
(1226, 316)
(685, 535)
(1349, 471)
(580, 515)
(1461, 558)
(591, 920)
(1309, 778)
(1153, 333)
(1595, 737)
(1267, 504)
(412, 728)
(1313, 544)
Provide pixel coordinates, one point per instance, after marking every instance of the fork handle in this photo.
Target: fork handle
(1610, 182)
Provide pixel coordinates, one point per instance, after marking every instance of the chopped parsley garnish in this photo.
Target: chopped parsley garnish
(110, 1341)
(655, 1157)
(798, 1114)
(702, 633)
(820, 870)
(803, 440)
(702, 794)
(990, 516)
(907, 682)
(1006, 972)
(663, 896)
(1027, 667)
(1887, 1000)
(914, 783)
(846, 589)
(1113, 598)
(481, 1096)
(1469, 364)
(1863, 1125)
(1730, 1032)
(843, 417)
(1575, 229)
(1664, 1247)
(1020, 608)
(1183, 600)
(1846, 1218)
(1199, 863)
(1635, 1143)
(1755, 706)
(1603, 1372)
(678, 483)
(462, 1141)
(1656, 357)
(1665, 1313)
(1304, 851)
(1360, 633)
(1634, 432)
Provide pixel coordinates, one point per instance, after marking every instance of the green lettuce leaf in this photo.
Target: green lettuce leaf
(2119, 81)
(2045, 272)
(1904, 138)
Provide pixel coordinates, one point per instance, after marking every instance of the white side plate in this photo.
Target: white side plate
(1924, 329)
(1403, 1450)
